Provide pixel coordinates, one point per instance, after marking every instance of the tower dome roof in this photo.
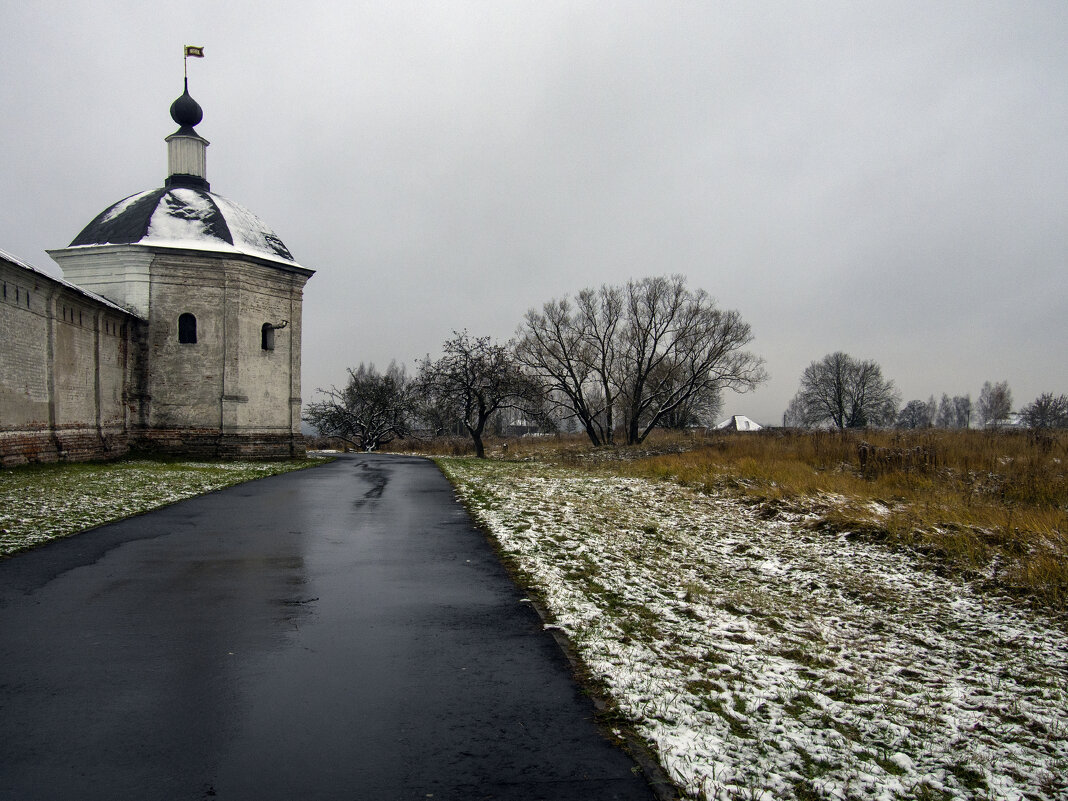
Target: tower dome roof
(185, 217)
(184, 213)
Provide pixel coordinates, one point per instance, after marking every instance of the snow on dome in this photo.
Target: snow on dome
(121, 206)
(183, 214)
(184, 218)
(249, 230)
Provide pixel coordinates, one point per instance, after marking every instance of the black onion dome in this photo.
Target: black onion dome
(186, 111)
(184, 217)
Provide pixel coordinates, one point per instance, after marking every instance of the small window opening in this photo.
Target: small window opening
(267, 337)
(187, 329)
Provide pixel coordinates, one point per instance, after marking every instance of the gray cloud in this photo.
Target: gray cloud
(888, 179)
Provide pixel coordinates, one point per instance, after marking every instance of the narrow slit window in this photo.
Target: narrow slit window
(267, 337)
(187, 329)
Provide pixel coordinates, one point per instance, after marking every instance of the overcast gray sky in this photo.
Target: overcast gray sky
(889, 179)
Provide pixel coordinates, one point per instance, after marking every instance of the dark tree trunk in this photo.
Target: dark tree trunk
(591, 432)
(476, 435)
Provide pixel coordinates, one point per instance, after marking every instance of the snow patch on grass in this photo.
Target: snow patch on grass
(764, 660)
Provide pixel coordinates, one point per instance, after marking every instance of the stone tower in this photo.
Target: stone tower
(216, 370)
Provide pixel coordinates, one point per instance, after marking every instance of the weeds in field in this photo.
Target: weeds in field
(993, 503)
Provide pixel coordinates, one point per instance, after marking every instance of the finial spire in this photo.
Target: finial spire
(186, 149)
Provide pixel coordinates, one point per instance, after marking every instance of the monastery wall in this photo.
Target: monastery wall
(63, 371)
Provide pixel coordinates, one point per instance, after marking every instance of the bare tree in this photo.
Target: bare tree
(955, 412)
(846, 393)
(574, 351)
(646, 351)
(796, 415)
(679, 345)
(995, 404)
(371, 410)
(703, 409)
(1046, 411)
(946, 415)
(915, 414)
(474, 379)
(963, 406)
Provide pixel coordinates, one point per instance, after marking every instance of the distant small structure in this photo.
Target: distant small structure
(738, 422)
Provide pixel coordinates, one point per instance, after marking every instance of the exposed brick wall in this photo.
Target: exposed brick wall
(68, 444)
(212, 444)
(23, 447)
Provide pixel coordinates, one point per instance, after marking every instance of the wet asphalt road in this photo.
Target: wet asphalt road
(335, 633)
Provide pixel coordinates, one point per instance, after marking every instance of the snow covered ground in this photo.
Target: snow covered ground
(764, 660)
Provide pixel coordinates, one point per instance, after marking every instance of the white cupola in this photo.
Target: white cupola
(187, 164)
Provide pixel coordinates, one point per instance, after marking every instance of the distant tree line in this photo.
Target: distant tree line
(617, 362)
(614, 362)
(842, 392)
